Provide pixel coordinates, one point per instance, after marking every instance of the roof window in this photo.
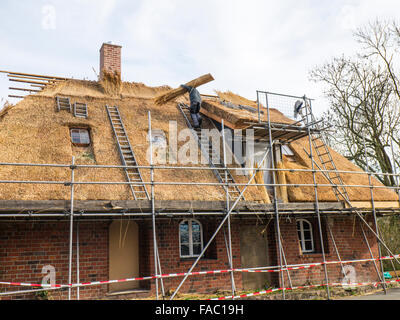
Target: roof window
(80, 137)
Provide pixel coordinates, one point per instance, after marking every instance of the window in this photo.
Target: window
(288, 153)
(190, 238)
(305, 232)
(80, 137)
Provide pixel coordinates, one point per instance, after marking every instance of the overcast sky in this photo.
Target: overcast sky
(245, 45)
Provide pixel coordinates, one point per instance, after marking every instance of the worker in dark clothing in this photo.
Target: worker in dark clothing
(297, 107)
(195, 104)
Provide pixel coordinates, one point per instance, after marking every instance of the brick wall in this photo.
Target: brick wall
(350, 244)
(215, 259)
(110, 59)
(28, 246)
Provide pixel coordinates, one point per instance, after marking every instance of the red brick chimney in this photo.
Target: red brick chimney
(110, 58)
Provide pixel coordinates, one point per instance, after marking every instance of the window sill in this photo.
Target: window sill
(311, 255)
(195, 258)
(127, 292)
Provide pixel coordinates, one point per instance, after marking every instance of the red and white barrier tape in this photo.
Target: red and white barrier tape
(173, 275)
(375, 284)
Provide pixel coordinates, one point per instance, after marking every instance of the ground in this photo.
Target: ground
(362, 293)
(392, 294)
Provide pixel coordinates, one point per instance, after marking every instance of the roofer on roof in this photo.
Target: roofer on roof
(195, 104)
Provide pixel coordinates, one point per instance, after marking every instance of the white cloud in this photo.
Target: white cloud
(246, 45)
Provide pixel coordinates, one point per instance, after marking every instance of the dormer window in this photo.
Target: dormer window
(80, 137)
(288, 153)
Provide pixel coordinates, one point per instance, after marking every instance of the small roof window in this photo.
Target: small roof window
(80, 137)
(287, 151)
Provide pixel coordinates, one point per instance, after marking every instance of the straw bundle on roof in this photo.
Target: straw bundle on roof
(171, 95)
(281, 179)
(111, 83)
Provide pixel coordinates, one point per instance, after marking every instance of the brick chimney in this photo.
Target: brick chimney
(110, 58)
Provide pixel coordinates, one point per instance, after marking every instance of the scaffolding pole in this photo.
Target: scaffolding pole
(286, 265)
(372, 257)
(153, 207)
(317, 201)
(276, 206)
(227, 209)
(71, 226)
(77, 261)
(362, 218)
(216, 232)
(334, 244)
(374, 213)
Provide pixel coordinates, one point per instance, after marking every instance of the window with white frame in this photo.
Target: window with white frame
(305, 232)
(80, 137)
(190, 238)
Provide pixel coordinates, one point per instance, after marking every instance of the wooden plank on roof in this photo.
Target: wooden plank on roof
(24, 89)
(33, 78)
(33, 75)
(27, 81)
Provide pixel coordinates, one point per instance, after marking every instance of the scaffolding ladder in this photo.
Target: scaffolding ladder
(127, 155)
(223, 175)
(319, 143)
(80, 110)
(63, 104)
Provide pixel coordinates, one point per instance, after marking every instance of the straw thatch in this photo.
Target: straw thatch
(33, 132)
(6, 108)
(281, 179)
(239, 119)
(111, 83)
(326, 193)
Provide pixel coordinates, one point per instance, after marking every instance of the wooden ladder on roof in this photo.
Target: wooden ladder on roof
(80, 110)
(63, 104)
(319, 143)
(127, 155)
(223, 175)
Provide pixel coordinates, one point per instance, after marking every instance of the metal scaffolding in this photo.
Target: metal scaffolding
(274, 134)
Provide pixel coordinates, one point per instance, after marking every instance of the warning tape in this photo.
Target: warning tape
(259, 293)
(173, 275)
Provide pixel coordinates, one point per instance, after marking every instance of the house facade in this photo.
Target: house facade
(113, 235)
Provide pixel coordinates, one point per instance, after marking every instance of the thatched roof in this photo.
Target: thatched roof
(33, 132)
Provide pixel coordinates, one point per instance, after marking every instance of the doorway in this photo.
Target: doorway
(123, 255)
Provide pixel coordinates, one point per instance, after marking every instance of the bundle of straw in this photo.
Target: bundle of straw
(281, 177)
(170, 95)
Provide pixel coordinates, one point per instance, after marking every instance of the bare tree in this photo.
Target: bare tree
(364, 101)
(381, 41)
